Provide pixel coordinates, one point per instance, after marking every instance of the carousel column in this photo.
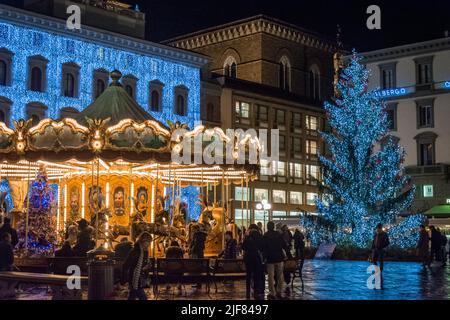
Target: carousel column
(28, 207)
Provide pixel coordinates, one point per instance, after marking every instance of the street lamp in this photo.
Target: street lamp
(266, 206)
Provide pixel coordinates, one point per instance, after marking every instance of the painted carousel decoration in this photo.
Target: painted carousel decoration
(112, 165)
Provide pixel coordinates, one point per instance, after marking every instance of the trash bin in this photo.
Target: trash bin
(100, 274)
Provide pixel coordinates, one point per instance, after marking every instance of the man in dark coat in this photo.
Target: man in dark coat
(197, 246)
(253, 247)
(6, 253)
(85, 242)
(65, 251)
(174, 251)
(299, 244)
(436, 240)
(7, 228)
(423, 246)
(379, 245)
(135, 267)
(123, 248)
(275, 249)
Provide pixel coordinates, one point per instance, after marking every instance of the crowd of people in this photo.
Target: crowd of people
(432, 246)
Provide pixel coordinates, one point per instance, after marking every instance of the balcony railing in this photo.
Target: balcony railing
(427, 170)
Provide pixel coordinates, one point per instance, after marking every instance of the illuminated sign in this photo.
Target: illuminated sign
(395, 92)
(448, 201)
(447, 84)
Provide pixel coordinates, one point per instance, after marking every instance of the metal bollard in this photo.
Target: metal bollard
(100, 273)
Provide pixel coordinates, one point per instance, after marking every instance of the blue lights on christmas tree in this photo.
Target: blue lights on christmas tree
(363, 179)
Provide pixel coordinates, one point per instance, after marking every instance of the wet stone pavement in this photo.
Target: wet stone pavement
(323, 280)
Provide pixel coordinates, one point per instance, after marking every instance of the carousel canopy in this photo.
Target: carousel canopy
(114, 104)
(120, 137)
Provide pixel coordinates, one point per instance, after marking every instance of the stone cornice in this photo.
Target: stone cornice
(103, 37)
(250, 26)
(406, 50)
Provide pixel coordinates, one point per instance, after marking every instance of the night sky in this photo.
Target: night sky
(402, 21)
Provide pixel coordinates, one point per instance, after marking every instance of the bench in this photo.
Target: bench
(228, 270)
(58, 283)
(181, 271)
(294, 267)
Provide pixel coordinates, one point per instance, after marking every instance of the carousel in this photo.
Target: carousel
(111, 165)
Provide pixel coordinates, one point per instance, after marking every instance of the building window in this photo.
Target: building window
(312, 174)
(282, 144)
(70, 79)
(296, 122)
(426, 148)
(311, 147)
(388, 75)
(296, 170)
(181, 98)
(280, 119)
(278, 196)
(261, 194)
(296, 147)
(68, 112)
(391, 111)
(242, 112)
(101, 78)
(5, 108)
(425, 113)
(5, 67)
(36, 111)
(37, 67)
(210, 112)
(156, 89)
(424, 71)
(230, 67)
(284, 73)
(314, 82)
(265, 169)
(262, 116)
(130, 83)
(311, 123)
(241, 194)
(311, 198)
(280, 167)
(428, 191)
(295, 197)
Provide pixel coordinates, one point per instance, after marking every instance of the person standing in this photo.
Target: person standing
(274, 245)
(6, 253)
(435, 244)
(253, 246)
(230, 251)
(260, 227)
(443, 247)
(299, 244)
(174, 251)
(423, 246)
(7, 228)
(135, 267)
(197, 247)
(379, 245)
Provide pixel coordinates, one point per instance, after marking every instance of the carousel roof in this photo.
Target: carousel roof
(114, 104)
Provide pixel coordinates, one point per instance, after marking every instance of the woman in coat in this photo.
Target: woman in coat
(423, 246)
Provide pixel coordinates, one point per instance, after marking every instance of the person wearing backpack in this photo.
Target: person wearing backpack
(379, 244)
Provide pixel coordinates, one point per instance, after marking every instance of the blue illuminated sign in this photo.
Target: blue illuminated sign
(447, 84)
(25, 42)
(395, 92)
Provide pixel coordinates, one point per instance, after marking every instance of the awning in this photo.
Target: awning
(439, 211)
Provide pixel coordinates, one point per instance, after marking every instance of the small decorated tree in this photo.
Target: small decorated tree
(41, 223)
(363, 179)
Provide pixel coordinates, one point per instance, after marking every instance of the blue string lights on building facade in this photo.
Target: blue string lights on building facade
(27, 42)
(363, 185)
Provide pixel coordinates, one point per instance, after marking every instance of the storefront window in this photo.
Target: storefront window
(279, 196)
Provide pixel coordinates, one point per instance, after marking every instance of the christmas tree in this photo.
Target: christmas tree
(41, 226)
(363, 180)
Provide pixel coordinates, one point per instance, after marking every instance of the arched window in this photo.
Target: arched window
(230, 67)
(314, 82)
(99, 87)
(5, 108)
(2, 116)
(284, 73)
(70, 80)
(154, 106)
(36, 79)
(2, 73)
(70, 85)
(180, 105)
(36, 111)
(37, 73)
(129, 90)
(181, 99)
